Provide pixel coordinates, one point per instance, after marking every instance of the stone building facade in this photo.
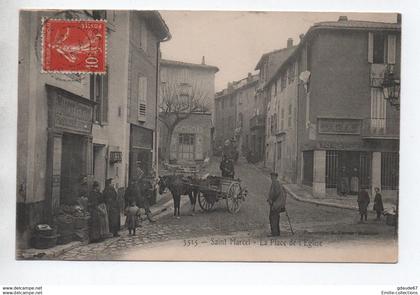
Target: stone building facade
(225, 117)
(72, 126)
(267, 66)
(343, 126)
(281, 121)
(234, 107)
(245, 90)
(192, 138)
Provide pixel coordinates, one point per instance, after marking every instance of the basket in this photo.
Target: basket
(44, 242)
(45, 232)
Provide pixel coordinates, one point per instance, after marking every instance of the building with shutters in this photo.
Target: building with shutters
(192, 137)
(125, 114)
(267, 66)
(280, 131)
(147, 31)
(225, 117)
(83, 126)
(234, 107)
(342, 126)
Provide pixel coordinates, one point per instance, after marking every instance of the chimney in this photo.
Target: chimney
(289, 43)
(399, 18)
(301, 37)
(342, 18)
(203, 60)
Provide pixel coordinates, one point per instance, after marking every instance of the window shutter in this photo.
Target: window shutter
(142, 99)
(143, 37)
(370, 48)
(392, 40)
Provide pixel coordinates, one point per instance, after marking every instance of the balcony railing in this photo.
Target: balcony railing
(258, 121)
(381, 128)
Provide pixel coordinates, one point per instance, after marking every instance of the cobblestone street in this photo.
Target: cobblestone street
(319, 223)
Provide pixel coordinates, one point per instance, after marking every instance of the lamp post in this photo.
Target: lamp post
(391, 91)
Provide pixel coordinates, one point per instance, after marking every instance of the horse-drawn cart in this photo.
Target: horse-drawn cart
(215, 188)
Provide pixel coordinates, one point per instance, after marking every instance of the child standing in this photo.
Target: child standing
(378, 206)
(132, 212)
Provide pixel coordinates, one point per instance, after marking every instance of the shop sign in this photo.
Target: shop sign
(339, 126)
(141, 137)
(72, 115)
(334, 145)
(69, 112)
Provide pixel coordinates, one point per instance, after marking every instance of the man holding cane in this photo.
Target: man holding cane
(277, 201)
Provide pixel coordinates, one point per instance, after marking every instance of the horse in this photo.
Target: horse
(179, 185)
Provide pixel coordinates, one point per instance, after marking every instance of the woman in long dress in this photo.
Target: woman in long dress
(94, 223)
(343, 185)
(113, 205)
(354, 182)
(99, 225)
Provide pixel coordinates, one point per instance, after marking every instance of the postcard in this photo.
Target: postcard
(208, 136)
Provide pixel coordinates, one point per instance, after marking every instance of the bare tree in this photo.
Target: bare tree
(178, 102)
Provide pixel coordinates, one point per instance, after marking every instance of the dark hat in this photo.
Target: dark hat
(95, 184)
(274, 174)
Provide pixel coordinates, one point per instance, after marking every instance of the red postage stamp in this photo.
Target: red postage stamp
(74, 46)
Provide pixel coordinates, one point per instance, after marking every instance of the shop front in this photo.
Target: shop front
(141, 150)
(70, 148)
(327, 165)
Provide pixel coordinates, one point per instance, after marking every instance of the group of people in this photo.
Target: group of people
(137, 195)
(277, 202)
(363, 201)
(104, 209)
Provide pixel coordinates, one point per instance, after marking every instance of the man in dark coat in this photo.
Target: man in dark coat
(227, 168)
(378, 205)
(176, 187)
(277, 201)
(343, 184)
(113, 204)
(363, 201)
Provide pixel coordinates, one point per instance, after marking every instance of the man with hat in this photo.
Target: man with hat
(113, 204)
(226, 167)
(277, 201)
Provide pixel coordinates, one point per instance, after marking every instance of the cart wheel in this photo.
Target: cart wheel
(233, 198)
(204, 203)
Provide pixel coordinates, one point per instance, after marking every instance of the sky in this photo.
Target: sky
(235, 41)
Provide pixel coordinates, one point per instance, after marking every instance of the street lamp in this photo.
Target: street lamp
(391, 89)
